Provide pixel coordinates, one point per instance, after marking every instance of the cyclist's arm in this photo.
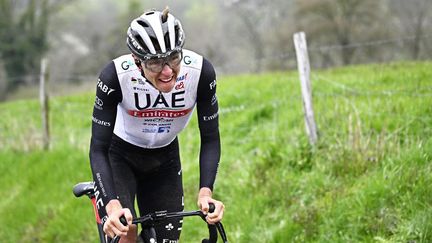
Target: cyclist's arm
(108, 95)
(208, 120)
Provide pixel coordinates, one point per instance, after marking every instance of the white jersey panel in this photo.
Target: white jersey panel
(148, 118)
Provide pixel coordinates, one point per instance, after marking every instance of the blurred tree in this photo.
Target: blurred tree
(105, 34)
(278, 35)
(341, 22)
(202, 28)
(3, 83)
(258, 32)
(248, 35)
(86, 35)
(413, 18)
(23, 38)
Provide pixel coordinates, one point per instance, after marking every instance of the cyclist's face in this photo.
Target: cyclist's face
(162, 72)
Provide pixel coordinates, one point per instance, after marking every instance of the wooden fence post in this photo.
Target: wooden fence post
(44, 100)
(304, 73)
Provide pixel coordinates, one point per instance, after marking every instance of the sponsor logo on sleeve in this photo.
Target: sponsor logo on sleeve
(104, 88)
(100, 122)
(214, 100)
(169, 241)
(209, 118)
(213, 84)
(98, 103)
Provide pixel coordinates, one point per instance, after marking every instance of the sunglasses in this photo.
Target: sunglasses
(156, 64)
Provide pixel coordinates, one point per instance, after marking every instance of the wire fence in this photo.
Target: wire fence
(372, 51)
(424, 91)
(399, 40)
(286, 59)
(339, 90)
(293, 98)
(346, 92)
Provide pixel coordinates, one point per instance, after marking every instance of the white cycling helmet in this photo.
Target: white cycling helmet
(155, 34)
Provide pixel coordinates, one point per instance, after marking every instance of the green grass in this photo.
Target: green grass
(367, 179)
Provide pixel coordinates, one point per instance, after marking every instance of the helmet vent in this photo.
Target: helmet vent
(142, 23)
(167, 40)
(142, 43)
(155, 44)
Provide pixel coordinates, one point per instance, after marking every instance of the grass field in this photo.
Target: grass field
(367, 180)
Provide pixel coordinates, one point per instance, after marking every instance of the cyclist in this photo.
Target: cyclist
(143, 100)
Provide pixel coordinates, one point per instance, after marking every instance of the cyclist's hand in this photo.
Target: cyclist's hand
(204, 198)
(113, 226)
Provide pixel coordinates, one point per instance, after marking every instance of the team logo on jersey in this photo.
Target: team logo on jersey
(159, 120)
(140, 89)
(181, 78)
(177, 101)
(188, 60)
(126, 64)
(149, 130)
(159, 113)
(179, 86)
(169, 227)
(162, 129)
(137, 81)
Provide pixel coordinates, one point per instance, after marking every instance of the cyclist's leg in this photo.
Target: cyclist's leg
(125, 186)
(163, 190)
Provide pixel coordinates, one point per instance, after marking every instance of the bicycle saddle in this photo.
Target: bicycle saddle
(83, 188)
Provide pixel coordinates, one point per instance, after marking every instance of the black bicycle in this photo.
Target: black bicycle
(148, 221)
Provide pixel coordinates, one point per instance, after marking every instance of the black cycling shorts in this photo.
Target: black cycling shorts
(153, 177)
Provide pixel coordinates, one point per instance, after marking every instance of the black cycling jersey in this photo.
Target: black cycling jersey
(129, 107)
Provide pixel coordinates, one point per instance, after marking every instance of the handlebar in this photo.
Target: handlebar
(152, 218)
(87, 188)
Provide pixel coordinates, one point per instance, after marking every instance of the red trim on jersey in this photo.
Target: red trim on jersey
(159, 113)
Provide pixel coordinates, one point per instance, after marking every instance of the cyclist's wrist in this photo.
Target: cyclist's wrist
(205, 192)
(112, 206)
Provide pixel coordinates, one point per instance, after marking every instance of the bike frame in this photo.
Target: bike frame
(148, 221)
(87, 188)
